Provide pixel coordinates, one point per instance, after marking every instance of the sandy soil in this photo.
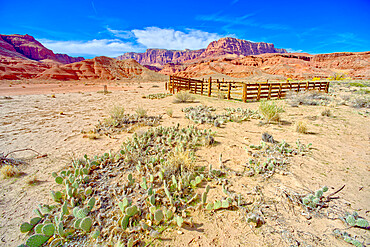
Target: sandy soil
(32, 118)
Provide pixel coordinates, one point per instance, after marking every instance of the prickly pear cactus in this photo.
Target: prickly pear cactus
(86, 224)
(37, 240)
(158, 215)
(26, 227)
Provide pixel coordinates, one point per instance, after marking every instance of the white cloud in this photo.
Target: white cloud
(154, 37)
(95, 47)
(290, 50)
(134, 41)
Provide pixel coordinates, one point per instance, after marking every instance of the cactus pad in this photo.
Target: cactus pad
(362, 223)
(204, 197)
(217, 205)
(59, 180)
(26, 227)
(88, 191)
(225, 204)
(77, 224)
(95, 234)
(35, 221)
(48, 229)
(131, 211)
(38, 228)
(86, 224)
(351, 220)
(158, 215)
(325, 188)
(209, 206)
(36, 240)
(179, 221)
(91, 203)
(123, 222)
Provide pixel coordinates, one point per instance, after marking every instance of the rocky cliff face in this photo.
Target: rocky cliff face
(278, 66)
(222, 47)
(26, 46)
(159, 57)
(101, 68)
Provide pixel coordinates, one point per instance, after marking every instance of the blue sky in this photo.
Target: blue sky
(111, 28)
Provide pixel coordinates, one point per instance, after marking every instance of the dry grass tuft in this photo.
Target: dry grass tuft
(270, 111)
(141, 111)
(301, 127)
(326, 113)
(91, 136)
(9, 171)
(117, 112)
(178, 163)
(183, 97)
(32, 181)
(169, 112)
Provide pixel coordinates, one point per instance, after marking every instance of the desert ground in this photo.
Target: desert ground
(53, 120)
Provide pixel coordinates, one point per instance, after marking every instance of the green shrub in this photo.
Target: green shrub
(270, 111)
(183, 97)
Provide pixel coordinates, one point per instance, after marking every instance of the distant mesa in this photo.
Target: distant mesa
(231, 47)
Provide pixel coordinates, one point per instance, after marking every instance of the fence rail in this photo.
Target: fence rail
(254, 91)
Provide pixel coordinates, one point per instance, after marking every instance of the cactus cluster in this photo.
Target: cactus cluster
(125, 122)
(69, 214)
(267, 159)
(157, 96)
(312, 201)
(203, 114)
(355, 220)
(354, 240)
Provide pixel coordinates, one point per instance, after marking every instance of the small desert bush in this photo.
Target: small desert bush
(169, 112)
(117, 112)
(316, 79)
(360, 102)
(9, 171)
(32, 181)
(91, 136)
(270, 111)
(301, 127)
(179, 162)
(357, 84)
(141, 111)
(337, 77)
(307, 98)
(326, 113)
(183, 97)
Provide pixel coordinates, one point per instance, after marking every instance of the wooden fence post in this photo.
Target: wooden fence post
(327, 87)
(244, 92)
(229, 91)
(270, 88)
(299, 84)
(307, 85)
(189, 85)
(201, 88)
(195, 87)
(218, 85)
(259, 92)
(209, 86)
(105, 89)
(280, 88)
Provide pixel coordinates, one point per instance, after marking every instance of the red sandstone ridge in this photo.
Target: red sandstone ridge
(278, 66)
(26, 46)
(102, 68)
(230, 47)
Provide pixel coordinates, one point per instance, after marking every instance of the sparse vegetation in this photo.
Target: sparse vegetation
(326, 113)
(157, 96)
(183, 97)
(169, 112)
(9, 171)
(141, 112)
(270, 111)
(301, 126)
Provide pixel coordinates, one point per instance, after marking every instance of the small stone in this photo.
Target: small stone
(180, 232)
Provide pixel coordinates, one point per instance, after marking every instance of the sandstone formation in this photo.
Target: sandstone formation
(27, 46)
(278, 66)
(222, 47)
(102, 68)
(15, 68)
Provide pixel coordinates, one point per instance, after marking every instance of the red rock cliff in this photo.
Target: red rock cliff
(221, 47)
(27, 46)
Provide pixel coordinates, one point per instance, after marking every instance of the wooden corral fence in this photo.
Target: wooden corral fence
(254, 91)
